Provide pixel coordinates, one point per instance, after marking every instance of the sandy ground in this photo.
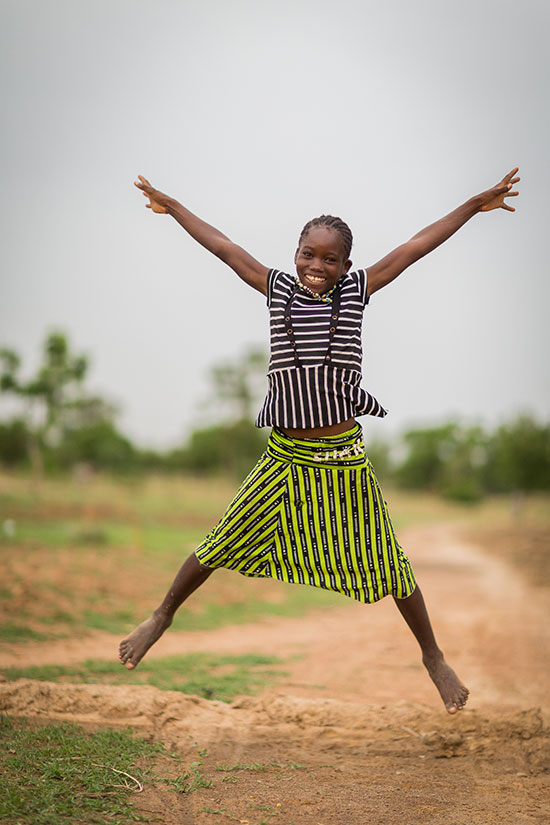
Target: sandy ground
(356, 733)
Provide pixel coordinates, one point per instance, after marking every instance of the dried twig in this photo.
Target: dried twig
(411, 731)
(123, 773)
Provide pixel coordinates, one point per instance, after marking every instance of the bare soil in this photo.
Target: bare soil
(356, 733)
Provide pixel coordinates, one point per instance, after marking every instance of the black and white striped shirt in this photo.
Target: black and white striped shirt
(315, 392)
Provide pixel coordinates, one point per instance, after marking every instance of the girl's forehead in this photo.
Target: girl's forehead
(323, 236)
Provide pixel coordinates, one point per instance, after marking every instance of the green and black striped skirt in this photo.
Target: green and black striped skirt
(312, 512)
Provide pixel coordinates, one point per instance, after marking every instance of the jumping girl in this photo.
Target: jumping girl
(311, 511)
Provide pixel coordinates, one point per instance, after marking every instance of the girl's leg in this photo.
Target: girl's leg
(134, 647)
(451, 689)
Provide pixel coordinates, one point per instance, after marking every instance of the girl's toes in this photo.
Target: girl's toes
(124, 654)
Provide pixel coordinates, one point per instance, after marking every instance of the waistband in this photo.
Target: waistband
(343, 450)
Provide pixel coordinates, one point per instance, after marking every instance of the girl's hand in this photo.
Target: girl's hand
(494, 198)
(157, 200)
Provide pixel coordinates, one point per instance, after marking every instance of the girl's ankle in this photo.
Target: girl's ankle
(433, 655)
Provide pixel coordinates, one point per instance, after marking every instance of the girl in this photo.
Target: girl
(311, 511)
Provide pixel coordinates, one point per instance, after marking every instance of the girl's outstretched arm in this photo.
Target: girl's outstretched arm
(392, 265)
(246, 267)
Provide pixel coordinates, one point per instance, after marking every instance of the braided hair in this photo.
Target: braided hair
(331, 223)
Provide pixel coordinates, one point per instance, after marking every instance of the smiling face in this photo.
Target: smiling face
(321, 259)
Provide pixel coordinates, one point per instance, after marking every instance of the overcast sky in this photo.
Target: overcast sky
(259, 116)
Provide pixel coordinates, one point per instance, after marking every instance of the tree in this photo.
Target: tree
(232, 443)
(444, 459)
(518, 457)
(237, 385)
(13, 442)
(54, 402)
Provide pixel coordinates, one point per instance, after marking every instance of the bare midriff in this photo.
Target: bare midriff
(320, 432)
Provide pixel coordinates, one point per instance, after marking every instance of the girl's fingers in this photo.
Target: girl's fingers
(506, 179)
(512, 194)
(508, 208)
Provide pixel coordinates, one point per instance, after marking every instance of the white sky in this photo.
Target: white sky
(259, 116)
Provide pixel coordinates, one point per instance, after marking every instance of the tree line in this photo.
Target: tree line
(59, 426)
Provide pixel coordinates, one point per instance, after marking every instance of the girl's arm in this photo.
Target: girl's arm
(387, 269)
(246, 267)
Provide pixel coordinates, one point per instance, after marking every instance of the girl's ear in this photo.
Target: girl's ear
(347, 265)
(296, 254)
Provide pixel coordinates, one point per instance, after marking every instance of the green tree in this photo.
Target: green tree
(236, 386)
(232, 443)
(54, 401)
(13, 442)
(518, 457)
(444, 459)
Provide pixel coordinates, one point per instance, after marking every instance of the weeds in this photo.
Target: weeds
(63, 774)
(182, 783)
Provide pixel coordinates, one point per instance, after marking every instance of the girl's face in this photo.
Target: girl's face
(320, 259)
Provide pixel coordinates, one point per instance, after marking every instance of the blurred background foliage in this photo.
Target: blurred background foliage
(59, 427)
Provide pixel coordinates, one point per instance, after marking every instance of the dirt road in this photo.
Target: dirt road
(357, 732)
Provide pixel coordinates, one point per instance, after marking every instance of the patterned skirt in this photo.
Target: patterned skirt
(311, 512)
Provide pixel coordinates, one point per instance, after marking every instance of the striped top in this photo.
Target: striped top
(317, 382)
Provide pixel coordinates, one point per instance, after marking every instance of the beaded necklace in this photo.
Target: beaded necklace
(326, 297)
(333, 320)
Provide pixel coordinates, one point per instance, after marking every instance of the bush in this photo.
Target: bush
(231, 448)
(13, 442)
(99, 444)
(518, 457)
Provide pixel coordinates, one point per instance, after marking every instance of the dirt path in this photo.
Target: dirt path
(357, 710)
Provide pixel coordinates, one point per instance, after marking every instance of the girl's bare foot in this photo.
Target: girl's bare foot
(133, 648)
(450, 688)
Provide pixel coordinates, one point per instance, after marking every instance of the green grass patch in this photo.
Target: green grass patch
(150, 538)
(258, 766)
(54, 623)
(200, 674)
(299, 599)
(12, 632)
(190, 781)
(58, 774)
(112, 622)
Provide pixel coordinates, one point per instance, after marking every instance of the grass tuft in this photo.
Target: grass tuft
(201, 674)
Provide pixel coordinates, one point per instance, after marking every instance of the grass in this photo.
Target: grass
(188, 782)
(81, 557)
(99, 556)
(257, 766)
(57, 774)
(14, 632)
(201, 674)
(298, 599)
(101, 608)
